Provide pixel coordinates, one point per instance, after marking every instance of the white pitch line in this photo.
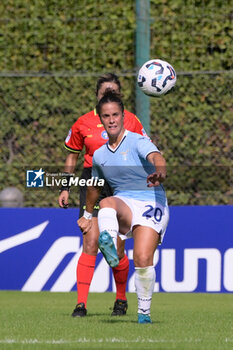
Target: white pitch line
(228, 340)
(101, 340)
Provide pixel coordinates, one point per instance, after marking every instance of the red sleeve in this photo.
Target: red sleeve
(74, 139)
(132, 123)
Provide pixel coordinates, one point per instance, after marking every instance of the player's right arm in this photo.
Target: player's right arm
(92, 196)
(74, 144)
(70, 164)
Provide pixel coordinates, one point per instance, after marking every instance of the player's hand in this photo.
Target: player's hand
(84, 224)
(63, 199)
(155, 179)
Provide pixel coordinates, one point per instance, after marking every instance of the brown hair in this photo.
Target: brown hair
(107, 78)
(110, 96)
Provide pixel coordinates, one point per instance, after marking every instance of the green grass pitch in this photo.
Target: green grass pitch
(180, 321)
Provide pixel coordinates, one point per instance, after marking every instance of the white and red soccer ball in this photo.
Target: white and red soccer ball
(156, 77)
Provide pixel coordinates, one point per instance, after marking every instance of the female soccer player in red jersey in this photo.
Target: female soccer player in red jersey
(89, 132)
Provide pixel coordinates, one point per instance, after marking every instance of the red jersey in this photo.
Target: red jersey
(89, 132)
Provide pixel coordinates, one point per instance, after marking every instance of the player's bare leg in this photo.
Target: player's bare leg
(90, 239)
(145, 243)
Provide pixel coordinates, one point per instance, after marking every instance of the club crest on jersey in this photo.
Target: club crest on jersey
(124, 154)
(104, 135)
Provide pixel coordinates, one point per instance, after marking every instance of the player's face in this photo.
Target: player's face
(112, 119)
(107, 86)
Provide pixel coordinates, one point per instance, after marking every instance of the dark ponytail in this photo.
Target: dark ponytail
(107, 78)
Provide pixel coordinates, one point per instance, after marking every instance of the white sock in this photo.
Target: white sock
(107, 220)
(144, 283)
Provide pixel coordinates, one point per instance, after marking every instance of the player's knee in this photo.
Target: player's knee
(107, 202)
(90, 246)
(142, 260)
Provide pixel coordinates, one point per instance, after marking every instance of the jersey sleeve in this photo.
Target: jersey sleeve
(95, 172)
(74, 140)
(145, 147)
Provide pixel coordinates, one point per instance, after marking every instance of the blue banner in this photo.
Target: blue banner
(39, 250)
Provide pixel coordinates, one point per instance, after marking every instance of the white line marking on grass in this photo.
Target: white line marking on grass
(228, 340)
(100, 340)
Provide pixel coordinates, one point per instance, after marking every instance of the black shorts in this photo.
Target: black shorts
(106, 192)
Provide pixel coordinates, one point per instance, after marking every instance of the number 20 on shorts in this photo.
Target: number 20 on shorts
(153, 212)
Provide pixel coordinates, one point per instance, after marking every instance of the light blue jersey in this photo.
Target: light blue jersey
(126, 168)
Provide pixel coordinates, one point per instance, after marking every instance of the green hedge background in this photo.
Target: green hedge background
(51, 53)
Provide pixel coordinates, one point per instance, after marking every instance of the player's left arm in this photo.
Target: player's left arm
(156, 178)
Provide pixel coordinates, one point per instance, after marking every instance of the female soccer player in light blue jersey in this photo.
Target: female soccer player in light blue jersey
(135, 169)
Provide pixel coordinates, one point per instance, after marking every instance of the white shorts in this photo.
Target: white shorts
(147, 213)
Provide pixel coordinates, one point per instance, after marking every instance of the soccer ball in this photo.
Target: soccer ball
(156, 77)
